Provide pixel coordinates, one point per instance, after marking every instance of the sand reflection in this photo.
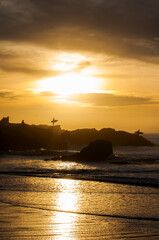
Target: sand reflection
(64, 220)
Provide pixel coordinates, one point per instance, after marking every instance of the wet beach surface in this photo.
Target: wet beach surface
(48, 208)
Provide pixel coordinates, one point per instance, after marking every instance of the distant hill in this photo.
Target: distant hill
(28, 137)
(117, 138)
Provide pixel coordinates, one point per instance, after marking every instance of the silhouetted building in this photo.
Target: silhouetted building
(4, 121)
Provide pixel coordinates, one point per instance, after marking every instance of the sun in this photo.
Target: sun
(76, 76)
(70, 83)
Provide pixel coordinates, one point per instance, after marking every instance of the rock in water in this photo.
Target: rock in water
(98, 150)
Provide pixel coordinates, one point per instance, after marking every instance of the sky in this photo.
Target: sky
(88, 63)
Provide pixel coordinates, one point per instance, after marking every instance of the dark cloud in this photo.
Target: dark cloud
(82, 66)
(110, 100)
(48, 94)
(27, 70)
(121, 27)
(5, 56)
(26, 94)
(9, 95)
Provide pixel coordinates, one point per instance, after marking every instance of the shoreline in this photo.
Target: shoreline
(134, 181)
(56, 208)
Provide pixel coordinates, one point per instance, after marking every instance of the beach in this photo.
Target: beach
(68, 200)
(79, 120)
(44, 208)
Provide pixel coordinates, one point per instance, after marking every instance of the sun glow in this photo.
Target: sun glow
(66, 62)
(76, 76)
(64, 67)
(66, 203)
(71, 83)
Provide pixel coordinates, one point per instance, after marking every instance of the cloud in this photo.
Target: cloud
(5, 56)
(110, 100)
(84, 65)
(17, 95)
(9, 95)
(121, 27)
(27, 70)
(48, 94)
(81, 66)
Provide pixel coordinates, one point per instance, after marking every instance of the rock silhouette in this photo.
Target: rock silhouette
(16, 137)
(81, 137)
(98, 149)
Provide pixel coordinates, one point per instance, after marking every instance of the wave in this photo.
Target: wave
(40, 152)
(83, 213)
(88, 176)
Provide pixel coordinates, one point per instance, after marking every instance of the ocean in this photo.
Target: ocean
(43, 199)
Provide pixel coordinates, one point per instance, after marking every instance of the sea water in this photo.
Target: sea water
(60, 200)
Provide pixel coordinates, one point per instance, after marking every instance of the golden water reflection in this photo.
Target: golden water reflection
(64, 220)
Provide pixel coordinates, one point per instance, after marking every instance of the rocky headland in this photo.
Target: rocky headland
(19, 137)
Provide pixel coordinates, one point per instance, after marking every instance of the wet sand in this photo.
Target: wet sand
(45, 208)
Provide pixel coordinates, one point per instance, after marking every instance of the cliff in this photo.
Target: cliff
(117, 138)
(28, 137)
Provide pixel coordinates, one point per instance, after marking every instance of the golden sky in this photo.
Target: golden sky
(88, 63)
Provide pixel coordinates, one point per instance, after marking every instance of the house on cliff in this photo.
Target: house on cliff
(4, 121)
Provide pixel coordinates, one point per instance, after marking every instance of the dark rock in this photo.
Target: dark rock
(98, 150)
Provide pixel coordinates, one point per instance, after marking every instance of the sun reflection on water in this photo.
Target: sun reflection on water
(64, 220)
(67, 198)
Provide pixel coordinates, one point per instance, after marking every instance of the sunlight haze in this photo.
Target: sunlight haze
(89, 66)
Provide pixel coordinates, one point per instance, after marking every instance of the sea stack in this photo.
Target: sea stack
(98, 150)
